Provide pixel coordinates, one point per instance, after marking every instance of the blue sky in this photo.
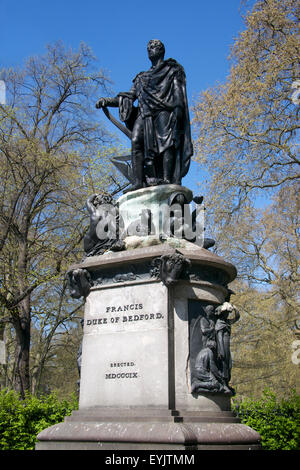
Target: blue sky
(197, 33)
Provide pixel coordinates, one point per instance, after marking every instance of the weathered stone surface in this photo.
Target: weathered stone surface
(199, 257)
(135, 388)
(125, 347)
(137, 430)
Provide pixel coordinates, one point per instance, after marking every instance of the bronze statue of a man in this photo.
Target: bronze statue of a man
(161, 136)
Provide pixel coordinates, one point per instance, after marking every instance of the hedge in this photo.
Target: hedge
(277, 421)
(22, 420)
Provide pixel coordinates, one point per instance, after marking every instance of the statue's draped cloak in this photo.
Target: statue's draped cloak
(162, 104)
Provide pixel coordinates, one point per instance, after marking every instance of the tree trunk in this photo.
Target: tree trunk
(22, 326)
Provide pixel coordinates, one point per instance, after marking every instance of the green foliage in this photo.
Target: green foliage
(22, 420)
(277, 422)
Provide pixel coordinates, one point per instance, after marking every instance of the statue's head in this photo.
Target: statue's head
(155, 48)
(209, 310)
(211, 345)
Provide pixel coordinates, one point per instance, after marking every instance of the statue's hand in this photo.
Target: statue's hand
(92, 197)
(101, 103)
(90, 203)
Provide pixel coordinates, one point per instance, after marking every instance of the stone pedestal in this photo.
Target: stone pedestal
(140, 332)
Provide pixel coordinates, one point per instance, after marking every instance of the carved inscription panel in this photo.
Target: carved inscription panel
(126, 308)
(125, 347)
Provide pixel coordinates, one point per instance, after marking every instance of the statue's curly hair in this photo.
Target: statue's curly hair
(103, 198)
(157, 42)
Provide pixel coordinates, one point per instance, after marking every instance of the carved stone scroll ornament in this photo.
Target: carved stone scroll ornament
(80, 282)
(131, 276)
(170, 268)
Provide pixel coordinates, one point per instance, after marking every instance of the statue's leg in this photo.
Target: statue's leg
(150, 153)
(168, 164)
(164, 122)
(137, 153)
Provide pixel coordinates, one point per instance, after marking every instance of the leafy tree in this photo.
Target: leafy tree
(246, 139)
(246, 128)
(277, 421)
(261, 346)
(51, 142)
(57, 369)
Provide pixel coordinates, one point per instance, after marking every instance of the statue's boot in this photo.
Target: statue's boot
(168, 159)
(151, 178)
(137, 167)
